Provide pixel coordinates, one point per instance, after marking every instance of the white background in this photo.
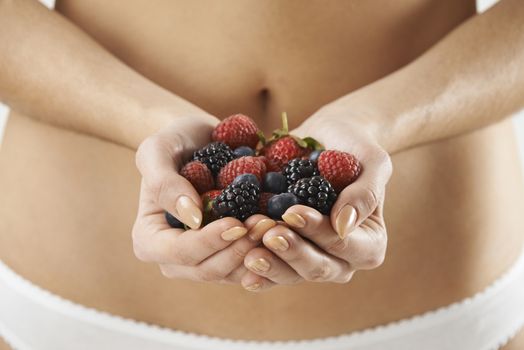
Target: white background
(481, 5)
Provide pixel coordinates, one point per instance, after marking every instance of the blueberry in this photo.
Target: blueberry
(314, 155)
(244, 151)
(246, 178)
(274, 183)
(172, 221)
(277, 205)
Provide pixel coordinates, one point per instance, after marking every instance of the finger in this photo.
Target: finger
(265, 263)
(158, 160)
(255, 283)
(306, 259)
(175, 246)
(360, 199)
(364, 248)
(225, 261)
(258, 225)
(311, 224)
(235, 277)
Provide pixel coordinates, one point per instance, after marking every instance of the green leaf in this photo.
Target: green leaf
(299, 141)
(279, 133)
(314, 144)
(261, 137)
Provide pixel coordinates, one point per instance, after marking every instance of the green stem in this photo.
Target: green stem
(285, 127)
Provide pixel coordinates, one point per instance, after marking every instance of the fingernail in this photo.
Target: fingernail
(188, 212)
(345, 221)
(259, 265)
(260, 228)
(295, 220)
(278, 243)
(253, 287)
(233, 233)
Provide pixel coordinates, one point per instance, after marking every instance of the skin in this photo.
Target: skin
(463, 244)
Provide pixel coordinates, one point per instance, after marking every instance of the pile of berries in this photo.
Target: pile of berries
(242, 173)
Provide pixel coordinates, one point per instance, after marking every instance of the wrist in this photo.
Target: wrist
(181, 118)
(371, 123)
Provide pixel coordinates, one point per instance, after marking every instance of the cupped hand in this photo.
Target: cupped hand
(213, 253)
(313, 247)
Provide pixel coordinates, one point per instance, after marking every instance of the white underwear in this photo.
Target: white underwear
(33, 318)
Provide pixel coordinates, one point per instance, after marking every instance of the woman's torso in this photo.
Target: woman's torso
(68, 200)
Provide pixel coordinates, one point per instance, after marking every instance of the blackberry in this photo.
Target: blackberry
(315, 192)
(298, 168)
(238, 200)
(172, 221)
(215, 155)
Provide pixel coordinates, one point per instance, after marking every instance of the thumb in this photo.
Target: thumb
(360, 199)
(158, 159)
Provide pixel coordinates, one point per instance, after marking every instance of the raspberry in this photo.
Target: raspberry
(237, 130)
(339, 168)
(240, 166)
(270, 166)
(281, 151)
(215, 155)
(262, 202)
(298, 168)
(199, 175)
(315, 192)
(237, 200)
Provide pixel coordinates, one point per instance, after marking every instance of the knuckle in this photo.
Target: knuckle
(160, 185)
(368, 199)
(320, 272)
(181, 257)
(373, 261)
(208, 275)
(371, 196)
(210, 244)
(238, 252)
(339, 246)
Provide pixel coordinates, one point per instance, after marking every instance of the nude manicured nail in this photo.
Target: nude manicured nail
(233, 233)
(260, 228)
(259, 265)
(345, 221)
(295, 220)
(188, 212)
(278, 243)
(253, 287)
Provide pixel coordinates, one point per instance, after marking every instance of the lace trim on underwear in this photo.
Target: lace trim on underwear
(147, 330)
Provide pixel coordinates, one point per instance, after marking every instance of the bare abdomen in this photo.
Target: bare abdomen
(68, 201)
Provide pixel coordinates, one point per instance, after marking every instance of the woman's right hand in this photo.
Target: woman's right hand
(213, 253)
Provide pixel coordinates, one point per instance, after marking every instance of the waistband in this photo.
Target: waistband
(33, 318)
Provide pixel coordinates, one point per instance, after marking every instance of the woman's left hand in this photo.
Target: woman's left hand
(312, 247)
